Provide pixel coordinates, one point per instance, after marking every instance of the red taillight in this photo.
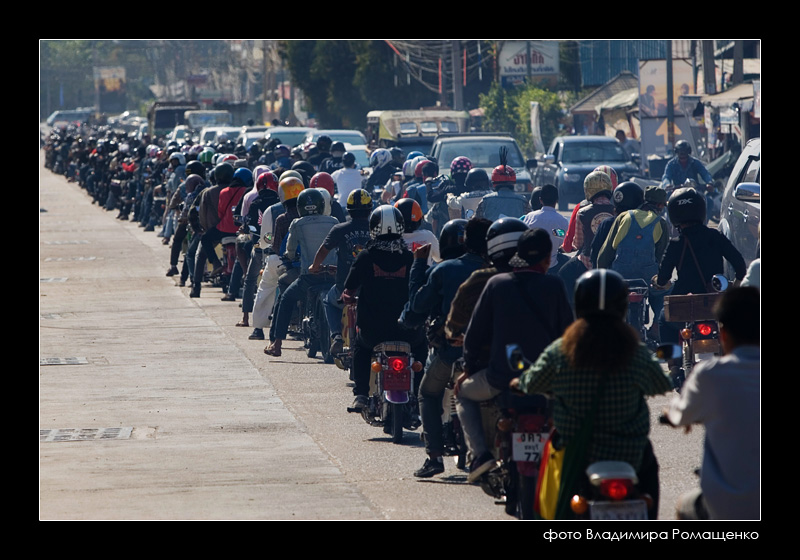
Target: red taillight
(705, 329)
(616, 488)
(397, 364)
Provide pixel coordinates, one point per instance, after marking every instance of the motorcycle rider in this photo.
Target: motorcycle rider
(570, 236)
(208, 205)
(477, 185)
(696, 255)
(599, 362)
(306, 234)
(433, 299)
(637, 238)
(527, 307)
(347, 239)
(546, 216)
(414, 234)
(503, 201)
(267, 196)
(443, 187)
(683, 167)
(379, 279)
(597, 188)
(348, 177)
(723, 394)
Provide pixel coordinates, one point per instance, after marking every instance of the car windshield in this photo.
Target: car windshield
(482, 152)
(289, 138)
(593, 152)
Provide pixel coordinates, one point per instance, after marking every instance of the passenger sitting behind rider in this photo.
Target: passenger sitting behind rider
(599, 362)
(527, 307)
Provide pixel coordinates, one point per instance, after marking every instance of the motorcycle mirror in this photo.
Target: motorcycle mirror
(719, 283)
(669, 352)
(516, 359)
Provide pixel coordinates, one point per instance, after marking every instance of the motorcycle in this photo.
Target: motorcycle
(316, 334)
(609, 490)
(700, 334)
(517, 427)
(344, 359)
(639, 308)
(392, 402)
(611, 493)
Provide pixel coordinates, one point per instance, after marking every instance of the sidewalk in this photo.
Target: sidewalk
(169, 419)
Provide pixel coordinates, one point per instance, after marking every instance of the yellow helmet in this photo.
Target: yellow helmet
(595, 183)
(290, 188)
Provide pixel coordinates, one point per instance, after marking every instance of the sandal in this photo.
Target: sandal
(242, 324)
(275, 352)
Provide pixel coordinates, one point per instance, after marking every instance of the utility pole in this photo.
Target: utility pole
(458, 93)
(709, 77)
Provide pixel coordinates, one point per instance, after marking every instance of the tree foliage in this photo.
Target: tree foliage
(343, 80)
(509, 110)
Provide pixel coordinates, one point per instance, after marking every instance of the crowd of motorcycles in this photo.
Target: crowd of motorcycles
(125, 175)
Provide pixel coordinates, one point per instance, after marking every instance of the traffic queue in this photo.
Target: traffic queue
(521, 341)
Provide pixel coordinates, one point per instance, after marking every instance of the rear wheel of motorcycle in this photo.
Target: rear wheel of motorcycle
(323, 333)
(397, 423)
(526, 496)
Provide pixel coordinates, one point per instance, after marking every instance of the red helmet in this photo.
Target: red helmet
(322, 180)
(503, 173)
(267, 180)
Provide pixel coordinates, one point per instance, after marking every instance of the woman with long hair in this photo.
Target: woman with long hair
(598, 374)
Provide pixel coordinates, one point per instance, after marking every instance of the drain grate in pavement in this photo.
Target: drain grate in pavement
(84, 434)
(62, 361)
(59, 259)
(52, 279)
(66, 242)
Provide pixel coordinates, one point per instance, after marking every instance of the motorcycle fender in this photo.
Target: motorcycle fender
(396, 397)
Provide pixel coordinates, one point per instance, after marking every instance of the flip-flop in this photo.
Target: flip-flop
(270, 352)
(242, 324)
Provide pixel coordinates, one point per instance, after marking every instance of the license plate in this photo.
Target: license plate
(528, 446)
(618, 511)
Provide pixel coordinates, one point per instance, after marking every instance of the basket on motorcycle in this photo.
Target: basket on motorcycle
(637, 289)
(700, 307)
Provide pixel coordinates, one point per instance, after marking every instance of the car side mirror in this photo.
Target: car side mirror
(748, 192)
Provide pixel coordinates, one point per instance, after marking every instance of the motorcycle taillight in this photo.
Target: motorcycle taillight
(705, 329)
(616, 488)
(397, 364)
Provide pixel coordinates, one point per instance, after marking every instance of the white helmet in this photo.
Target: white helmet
(385, 220)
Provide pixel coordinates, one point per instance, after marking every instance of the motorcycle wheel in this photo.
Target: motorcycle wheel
(397, 423)
(526, 496)
(323, 333)
(688, 359)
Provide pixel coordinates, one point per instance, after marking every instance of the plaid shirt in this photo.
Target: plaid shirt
(622, 424)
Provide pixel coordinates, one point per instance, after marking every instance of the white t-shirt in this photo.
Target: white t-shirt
(347, 180)
(417, 239)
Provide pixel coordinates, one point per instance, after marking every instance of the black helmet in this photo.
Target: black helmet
(304, 168)
(412, 213)
(683, 147)
(195, 167)
(338, 147)
(348, 159)
(223, 173)
(601, 292)
(477, 180)
(452, 240)
(309, 202)
(359, 199)
(502, 239)
(385, 220)
(627, 196)
(686, 206)
(324, 142)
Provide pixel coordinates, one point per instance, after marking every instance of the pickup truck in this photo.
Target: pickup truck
(483, 150)
(571, 158)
